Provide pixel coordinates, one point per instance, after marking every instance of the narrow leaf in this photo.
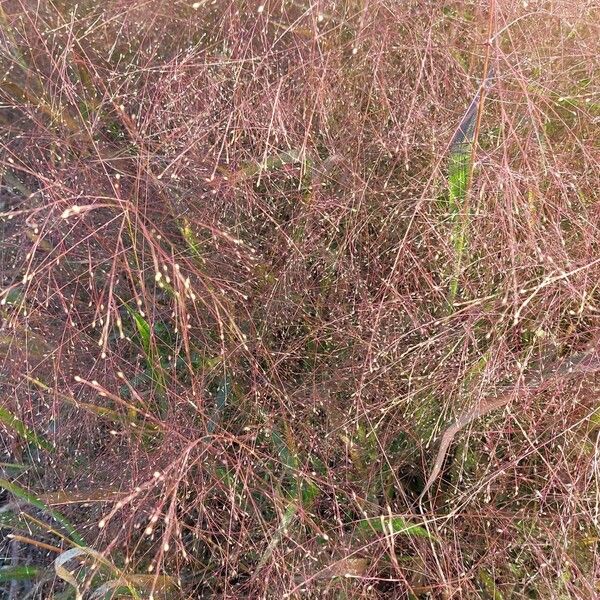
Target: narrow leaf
(18, 573)
(97, 558)
(26, 496)
(23, 431)
(396, 525)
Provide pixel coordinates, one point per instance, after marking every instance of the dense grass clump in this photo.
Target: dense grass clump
(256, 259)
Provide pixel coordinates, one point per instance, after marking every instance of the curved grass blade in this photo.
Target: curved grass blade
(23, 431)
(65, 574)
(28, 497)
(121, 582)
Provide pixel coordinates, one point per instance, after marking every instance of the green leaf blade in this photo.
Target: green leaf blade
(20, 429)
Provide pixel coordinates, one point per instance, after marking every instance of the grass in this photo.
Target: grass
(256, 258)
(18, 427)
(22, 494)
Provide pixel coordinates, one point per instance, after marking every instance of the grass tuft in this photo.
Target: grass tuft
(299, 299)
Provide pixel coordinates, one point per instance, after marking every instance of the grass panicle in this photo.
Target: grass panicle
(279, 283)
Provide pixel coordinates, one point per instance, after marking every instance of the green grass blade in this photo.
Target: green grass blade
(152, 359)
(459, 171)
(143, 328)
(458, 178)
(23, 494)
(18, 573)
(458, 182)
(14, 466)
(16, 425)
(193, 243)
(489, 585)
(395, 525)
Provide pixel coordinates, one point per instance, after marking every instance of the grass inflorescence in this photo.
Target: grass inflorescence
(257, 257)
